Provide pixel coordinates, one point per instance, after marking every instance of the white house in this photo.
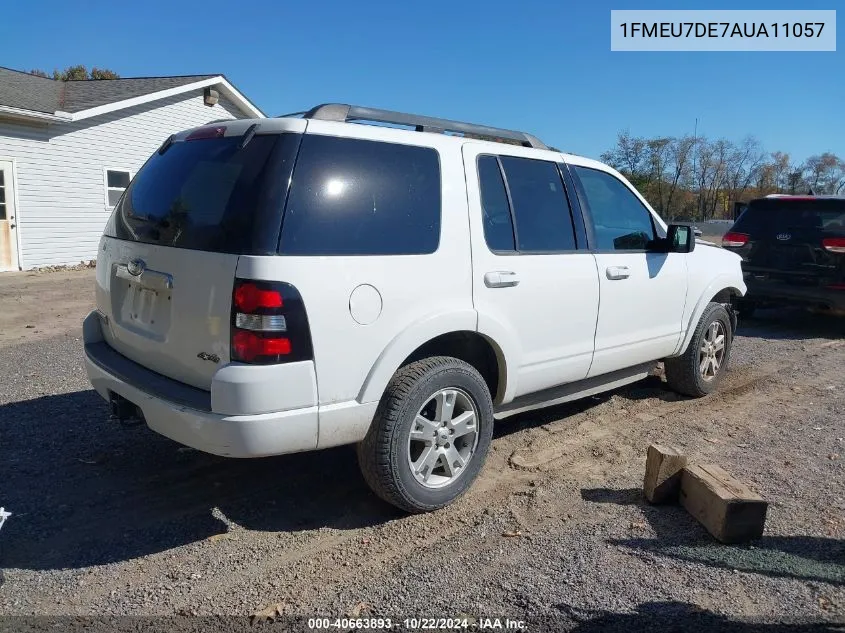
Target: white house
(69, 148)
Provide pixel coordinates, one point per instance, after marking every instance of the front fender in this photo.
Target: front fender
(725, 281)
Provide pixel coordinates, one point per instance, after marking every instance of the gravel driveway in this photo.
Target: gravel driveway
(118, 521)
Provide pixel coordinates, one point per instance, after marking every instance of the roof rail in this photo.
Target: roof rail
(345, 113)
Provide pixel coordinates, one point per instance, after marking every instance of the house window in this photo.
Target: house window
(117, 180)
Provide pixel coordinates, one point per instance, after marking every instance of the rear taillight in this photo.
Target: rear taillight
(734, 239)
(249, 296)
(834, 244)
(269, 323)
(249, 347)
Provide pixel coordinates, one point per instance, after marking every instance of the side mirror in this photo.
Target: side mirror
(680, 238)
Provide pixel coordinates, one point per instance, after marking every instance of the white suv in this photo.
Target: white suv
(280, 285)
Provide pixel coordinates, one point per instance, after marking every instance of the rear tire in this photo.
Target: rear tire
(699, 370)
(430, 436)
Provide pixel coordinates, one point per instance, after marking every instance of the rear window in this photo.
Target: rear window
(771, 215)
(358, 197)
(210, 195)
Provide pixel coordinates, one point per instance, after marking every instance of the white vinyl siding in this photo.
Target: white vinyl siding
(61, 170)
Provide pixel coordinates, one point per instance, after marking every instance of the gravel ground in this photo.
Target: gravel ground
(37, 305)
(114, 521)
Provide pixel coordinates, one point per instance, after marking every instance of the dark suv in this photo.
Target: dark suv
(793, 251)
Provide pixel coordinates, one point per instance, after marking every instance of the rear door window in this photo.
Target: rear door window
(360, 197)
(540, 207)
(495, 210)
(210, 194)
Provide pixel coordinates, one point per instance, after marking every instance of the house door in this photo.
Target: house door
(8, 222)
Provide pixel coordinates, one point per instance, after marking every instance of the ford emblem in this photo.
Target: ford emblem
(784, 236)
(136, 267)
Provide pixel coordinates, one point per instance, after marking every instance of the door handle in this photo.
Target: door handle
(617, 272)
(500, 279)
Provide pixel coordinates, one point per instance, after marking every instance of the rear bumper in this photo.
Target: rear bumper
(779, 292)
(187, 415)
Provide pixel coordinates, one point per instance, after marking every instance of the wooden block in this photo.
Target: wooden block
(729, 509)
(663, 466)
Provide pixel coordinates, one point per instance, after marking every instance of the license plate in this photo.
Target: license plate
(144, 302)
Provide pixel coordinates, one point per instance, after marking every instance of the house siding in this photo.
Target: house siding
(60, 171)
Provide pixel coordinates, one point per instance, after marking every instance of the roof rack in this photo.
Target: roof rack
(345, 113)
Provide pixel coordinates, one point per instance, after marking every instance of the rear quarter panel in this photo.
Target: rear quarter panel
(416, 291)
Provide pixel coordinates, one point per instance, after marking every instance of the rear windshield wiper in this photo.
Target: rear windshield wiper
(247, 137)
(166, 145)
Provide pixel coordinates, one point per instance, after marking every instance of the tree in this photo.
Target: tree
(743, 167)
(71, 73)
(103, 73)
(680, 152)
(794, 180)
(823, 173)
(657, 150)
(700, 179)
(78, 73)
(630, 157)
(781, 168)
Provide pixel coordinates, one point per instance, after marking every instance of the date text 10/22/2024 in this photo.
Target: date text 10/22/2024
(418, 624)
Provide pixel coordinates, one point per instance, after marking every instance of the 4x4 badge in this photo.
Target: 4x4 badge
(784, 236)
(214, 358)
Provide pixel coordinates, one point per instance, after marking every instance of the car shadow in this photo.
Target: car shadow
(791, 324)
(91, 491)
(651, 387)
(545, 415)
(679, 536)
(651, 617)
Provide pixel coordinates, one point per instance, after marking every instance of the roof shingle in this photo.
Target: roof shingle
(39, 94)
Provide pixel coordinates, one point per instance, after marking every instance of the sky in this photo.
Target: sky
(540, 67)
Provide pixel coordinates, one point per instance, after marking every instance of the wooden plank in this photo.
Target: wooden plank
(729, 509)
(663, 466)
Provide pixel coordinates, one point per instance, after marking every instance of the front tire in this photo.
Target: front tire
(699, 370)
(430, 435)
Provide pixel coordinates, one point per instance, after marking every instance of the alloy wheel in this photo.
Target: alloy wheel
(443, 438)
